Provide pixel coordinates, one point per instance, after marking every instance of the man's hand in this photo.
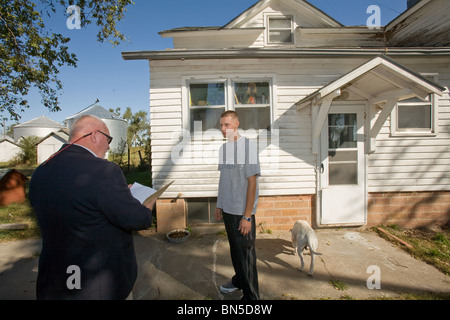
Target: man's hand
(151, 204)
(245, 227)
(218, 214)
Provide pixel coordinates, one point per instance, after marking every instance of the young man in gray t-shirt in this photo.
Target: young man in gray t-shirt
(236, 204)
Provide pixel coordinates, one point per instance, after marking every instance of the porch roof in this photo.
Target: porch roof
(381, 82)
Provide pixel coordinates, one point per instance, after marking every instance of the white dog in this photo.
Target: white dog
(302, 236)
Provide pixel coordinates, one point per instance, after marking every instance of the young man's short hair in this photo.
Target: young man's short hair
(230, 113)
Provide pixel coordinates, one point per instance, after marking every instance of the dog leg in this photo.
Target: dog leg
(300, 254)
(311, 267)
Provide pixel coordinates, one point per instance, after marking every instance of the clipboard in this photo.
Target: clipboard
(146, 194)
(157, 194)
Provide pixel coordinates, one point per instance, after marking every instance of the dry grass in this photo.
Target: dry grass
(431, 245)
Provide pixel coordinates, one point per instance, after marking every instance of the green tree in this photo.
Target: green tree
(138, 127)
(28, 152)
(31, 56)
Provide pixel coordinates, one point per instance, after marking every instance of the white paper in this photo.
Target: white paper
(141, 192)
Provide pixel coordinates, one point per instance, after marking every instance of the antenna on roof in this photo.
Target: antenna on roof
(96, 101)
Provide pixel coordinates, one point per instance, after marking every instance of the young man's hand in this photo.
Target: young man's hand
(245, 227)
(218, 214)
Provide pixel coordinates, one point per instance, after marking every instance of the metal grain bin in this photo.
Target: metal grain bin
(39, 127)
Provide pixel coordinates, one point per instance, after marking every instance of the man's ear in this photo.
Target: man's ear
(93, 137)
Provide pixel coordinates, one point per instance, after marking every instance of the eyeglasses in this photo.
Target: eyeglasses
(107, 136)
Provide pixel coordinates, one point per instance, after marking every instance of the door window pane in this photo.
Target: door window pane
(342, 131)
(343, 173)
(343, 167)
(342, 152)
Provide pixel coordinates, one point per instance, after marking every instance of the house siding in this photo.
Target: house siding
(407, 177)
(293, 79)
(415, 163)
(398, 165)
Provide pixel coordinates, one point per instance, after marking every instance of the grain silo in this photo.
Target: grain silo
(116, 125)
(39, 127)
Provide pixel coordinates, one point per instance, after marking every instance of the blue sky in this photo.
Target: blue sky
(103, 74)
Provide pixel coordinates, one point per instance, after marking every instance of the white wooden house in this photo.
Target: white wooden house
(352, 123)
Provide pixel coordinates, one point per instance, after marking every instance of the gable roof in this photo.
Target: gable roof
(8, 140)
(394, 76)
(379, 81)
(61, 135)
(297, 5)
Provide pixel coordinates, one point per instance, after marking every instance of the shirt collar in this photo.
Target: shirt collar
(75, 144)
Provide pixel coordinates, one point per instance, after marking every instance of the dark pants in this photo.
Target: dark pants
(243, 256)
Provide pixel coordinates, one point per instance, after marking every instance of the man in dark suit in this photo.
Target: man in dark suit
(86, 214)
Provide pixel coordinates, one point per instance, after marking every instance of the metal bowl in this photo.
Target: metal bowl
(178, 235)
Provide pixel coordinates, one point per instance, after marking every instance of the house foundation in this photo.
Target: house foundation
(408, 209)
(279, 213)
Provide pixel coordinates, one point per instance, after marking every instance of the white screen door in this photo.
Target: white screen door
(343, 167)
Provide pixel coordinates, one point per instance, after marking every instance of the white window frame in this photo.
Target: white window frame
(186, 94)
(267, 33)
(229, 81)
(417, 132)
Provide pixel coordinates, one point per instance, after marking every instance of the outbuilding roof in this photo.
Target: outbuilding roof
(97, 111)
(41, 121)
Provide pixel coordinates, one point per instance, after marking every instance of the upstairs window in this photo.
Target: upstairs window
(280, 30)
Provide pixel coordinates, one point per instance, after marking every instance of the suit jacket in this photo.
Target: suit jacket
(86, 214)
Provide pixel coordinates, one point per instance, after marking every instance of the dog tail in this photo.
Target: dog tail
(311, 250)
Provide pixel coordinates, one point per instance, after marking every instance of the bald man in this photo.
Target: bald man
(86, 214)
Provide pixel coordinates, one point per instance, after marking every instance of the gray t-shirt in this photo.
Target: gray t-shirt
(238, 161)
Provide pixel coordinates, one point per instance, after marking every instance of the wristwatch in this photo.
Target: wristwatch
(248, 219)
